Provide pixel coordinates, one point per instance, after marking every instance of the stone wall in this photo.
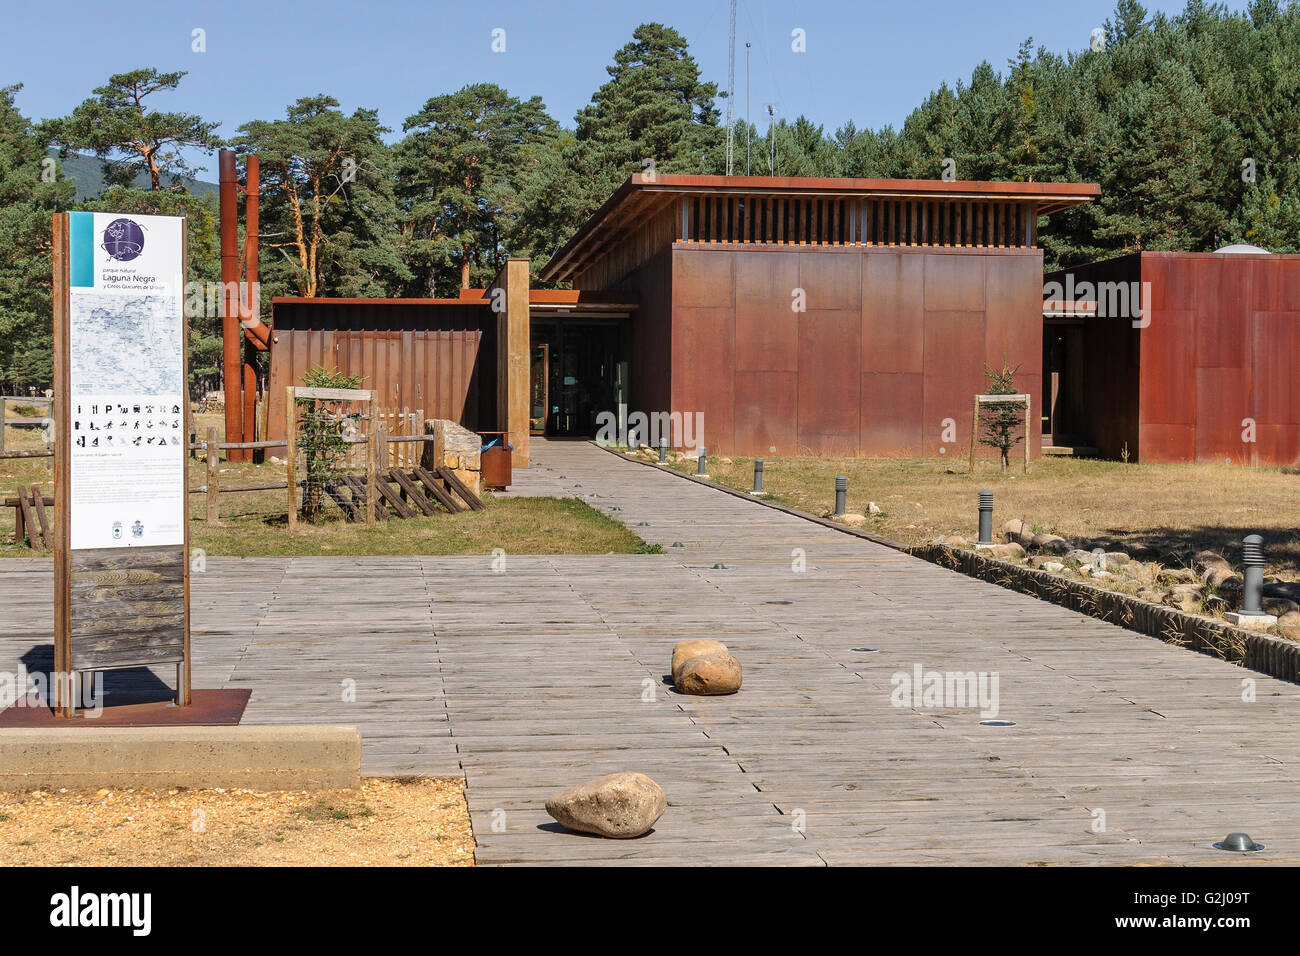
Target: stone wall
(453, 447)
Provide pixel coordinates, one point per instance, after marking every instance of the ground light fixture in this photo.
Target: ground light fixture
(1238, 843)
(864, 650)
(997, 723)
(719, 567)
(986, 518)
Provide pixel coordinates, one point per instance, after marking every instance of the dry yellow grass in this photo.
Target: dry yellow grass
(1176, 509)
(388, 822)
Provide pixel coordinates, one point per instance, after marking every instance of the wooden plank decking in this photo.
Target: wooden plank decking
(552, 672)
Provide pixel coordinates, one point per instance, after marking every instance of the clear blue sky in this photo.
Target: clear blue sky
(866, 60)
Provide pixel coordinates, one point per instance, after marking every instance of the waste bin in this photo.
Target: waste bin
(494, 462)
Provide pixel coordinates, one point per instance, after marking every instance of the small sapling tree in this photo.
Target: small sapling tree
(323, 432)
(1000, 422)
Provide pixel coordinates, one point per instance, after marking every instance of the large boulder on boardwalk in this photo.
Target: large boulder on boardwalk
(617, 805)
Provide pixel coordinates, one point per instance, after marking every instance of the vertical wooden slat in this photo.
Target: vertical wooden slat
(291, 455)
(214, 460)
(372, 458)
(62, 442)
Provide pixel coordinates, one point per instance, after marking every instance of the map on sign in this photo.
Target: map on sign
(125, 344)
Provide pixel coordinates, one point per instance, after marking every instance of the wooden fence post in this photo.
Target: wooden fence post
(372, 506)
(291, 454)
(214, 462)
(974, 430)
(3, 408)
(1028, 420)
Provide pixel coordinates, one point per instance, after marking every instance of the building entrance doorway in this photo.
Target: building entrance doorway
(575, 372)
(1063, 411)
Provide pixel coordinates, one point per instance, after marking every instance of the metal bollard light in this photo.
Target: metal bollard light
(663, 450)
(758, 477)
(841, 493)
(986, 517)
(1252, 559)
(702, 465)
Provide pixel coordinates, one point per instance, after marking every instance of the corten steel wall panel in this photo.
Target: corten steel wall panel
(1221, 301)
(829, 382)
(892, 423)
(1275, 284)
(1275, 341)
(870, 378)
(955, 282)
(704, 361)
(650, 369)
(767, 411)
(832, 282)
(893, 312)
(418, 356)
(1239, 363)
(1013, 328)
(1168, 444)
(1168, 382)
(703, 278)
(767, 327)
(1223, 400)
(954, 373)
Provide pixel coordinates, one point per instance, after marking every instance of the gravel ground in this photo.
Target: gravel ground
(388, 822)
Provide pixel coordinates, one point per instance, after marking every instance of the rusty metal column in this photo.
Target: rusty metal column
(250, 304)
(232, 373)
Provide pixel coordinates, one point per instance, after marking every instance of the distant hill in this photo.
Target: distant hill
(87, 172)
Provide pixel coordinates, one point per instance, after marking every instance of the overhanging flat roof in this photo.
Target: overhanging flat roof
(644, 195)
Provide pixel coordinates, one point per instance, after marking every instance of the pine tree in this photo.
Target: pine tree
(329, 219)
(117, 125)
(654, 109)
(461, 170)
(32, 189)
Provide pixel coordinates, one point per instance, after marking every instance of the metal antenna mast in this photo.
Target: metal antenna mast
(731, 88)
(771, 131)
(749, 129)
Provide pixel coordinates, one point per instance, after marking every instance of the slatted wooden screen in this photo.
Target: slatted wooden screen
(853, 221)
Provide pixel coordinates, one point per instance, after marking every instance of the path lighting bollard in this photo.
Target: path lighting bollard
(841, 493)
(1252, 614)
(986, 517)
(663, 450)
(758, 476)
(1252, 558)
(702, 465)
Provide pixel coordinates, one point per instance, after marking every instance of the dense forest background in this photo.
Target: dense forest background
(1190, 124)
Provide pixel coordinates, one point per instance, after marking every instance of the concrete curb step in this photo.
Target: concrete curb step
(270, 757)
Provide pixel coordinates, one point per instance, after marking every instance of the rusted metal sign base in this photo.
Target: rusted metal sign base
(208, 708)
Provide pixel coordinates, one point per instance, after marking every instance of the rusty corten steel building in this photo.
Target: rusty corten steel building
(908, 289)
(1207, 376)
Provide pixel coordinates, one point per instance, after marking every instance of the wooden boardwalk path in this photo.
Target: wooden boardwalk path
(552, 672)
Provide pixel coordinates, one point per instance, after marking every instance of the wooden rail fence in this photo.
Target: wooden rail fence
(403, 488)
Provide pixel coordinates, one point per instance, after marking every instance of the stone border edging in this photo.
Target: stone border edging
(1265, 653)
(1270, 655)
